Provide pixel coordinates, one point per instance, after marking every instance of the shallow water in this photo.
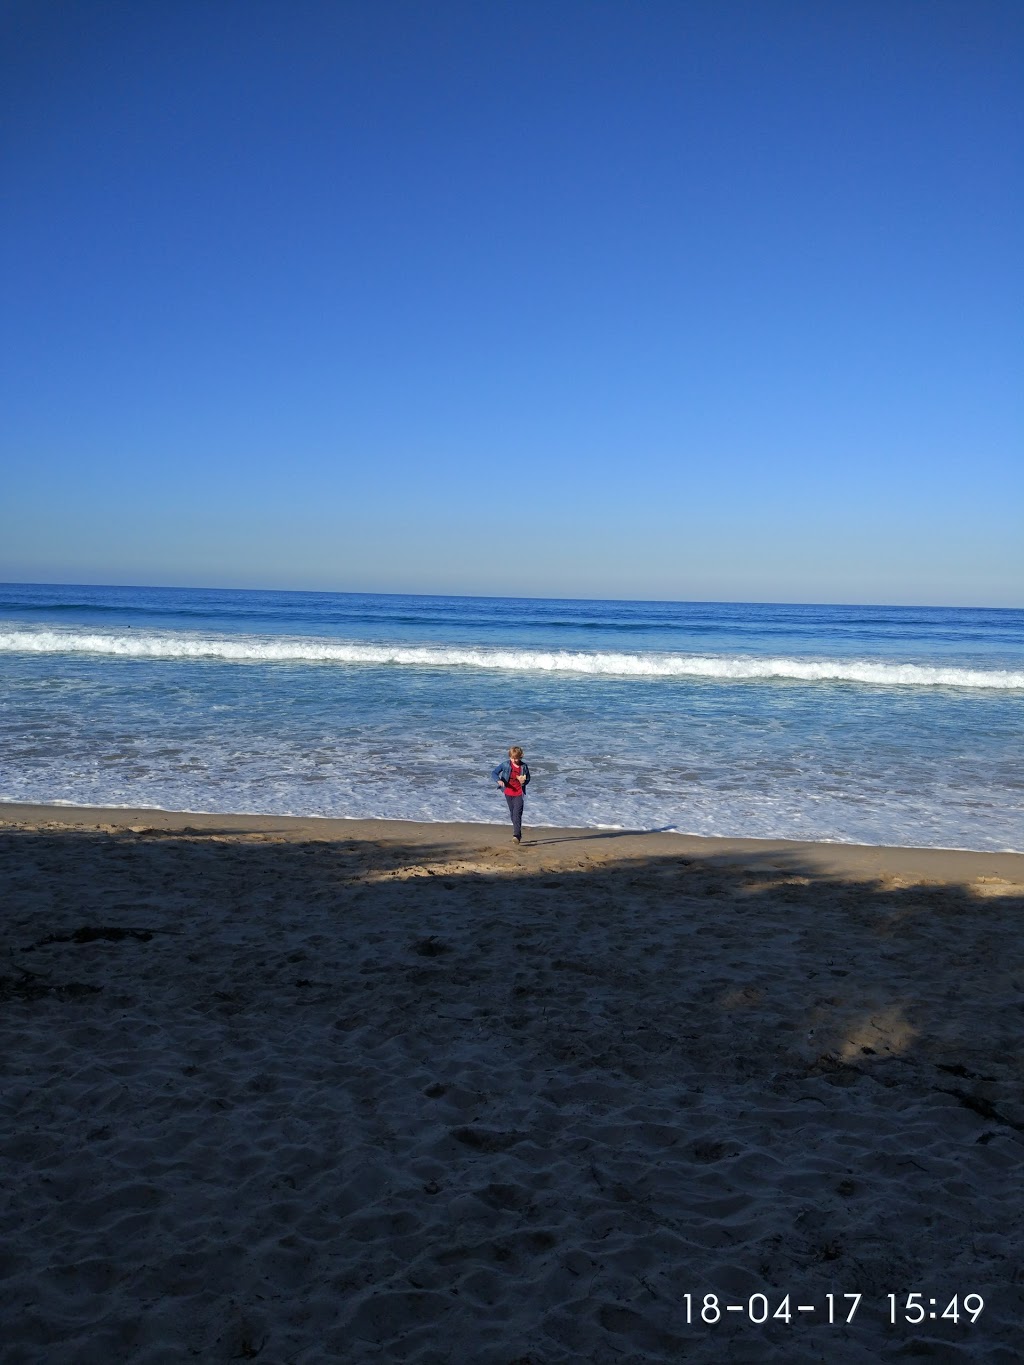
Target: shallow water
(861, 724)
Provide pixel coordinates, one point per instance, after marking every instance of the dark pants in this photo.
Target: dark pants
(515, 809)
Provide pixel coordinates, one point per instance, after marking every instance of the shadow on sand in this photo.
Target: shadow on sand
(542, 1104)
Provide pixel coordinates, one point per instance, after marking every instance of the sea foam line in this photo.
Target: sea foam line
(607, 663)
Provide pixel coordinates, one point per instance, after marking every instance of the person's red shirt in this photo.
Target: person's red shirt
(514, 787)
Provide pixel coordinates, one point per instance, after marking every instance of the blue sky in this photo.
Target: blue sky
(660, 300)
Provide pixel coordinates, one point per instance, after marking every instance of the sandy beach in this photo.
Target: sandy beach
(304, 1090)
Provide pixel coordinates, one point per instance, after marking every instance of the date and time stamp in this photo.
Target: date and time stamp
(912, 1308)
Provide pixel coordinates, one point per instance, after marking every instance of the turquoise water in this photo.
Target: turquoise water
(886, 725)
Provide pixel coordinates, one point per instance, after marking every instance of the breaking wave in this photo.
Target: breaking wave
(604, 663)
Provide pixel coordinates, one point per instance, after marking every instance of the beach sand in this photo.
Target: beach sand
(306, 1090)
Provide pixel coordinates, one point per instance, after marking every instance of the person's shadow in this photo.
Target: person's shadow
(589, 835)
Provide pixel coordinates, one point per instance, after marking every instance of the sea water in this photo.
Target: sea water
(884, 725)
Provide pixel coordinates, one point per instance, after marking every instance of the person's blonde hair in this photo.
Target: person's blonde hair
(516, 753)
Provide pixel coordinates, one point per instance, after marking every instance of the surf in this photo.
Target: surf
(297, 650)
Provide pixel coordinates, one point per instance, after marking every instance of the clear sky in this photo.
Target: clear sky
(712, 299)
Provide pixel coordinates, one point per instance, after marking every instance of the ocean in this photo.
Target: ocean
(877, 725)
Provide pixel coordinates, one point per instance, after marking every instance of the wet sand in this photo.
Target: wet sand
(300, 1090)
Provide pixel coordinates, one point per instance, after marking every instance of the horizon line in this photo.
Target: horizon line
(512, 597)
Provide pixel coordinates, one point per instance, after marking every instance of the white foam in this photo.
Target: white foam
(315, 650)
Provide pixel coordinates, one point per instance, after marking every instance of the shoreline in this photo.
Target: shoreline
(557, 845)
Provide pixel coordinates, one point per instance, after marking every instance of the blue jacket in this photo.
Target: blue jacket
(503, 773)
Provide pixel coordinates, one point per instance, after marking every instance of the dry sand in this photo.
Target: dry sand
(331, 1090)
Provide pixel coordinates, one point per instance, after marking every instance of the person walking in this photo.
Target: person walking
(512, 777)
